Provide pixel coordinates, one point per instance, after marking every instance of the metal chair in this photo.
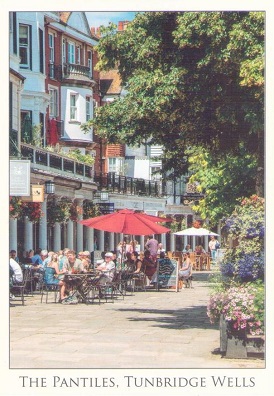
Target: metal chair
(18, 289)
(47, 288)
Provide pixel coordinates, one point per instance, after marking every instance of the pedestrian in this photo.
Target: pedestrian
(152, 246)
(213, 246)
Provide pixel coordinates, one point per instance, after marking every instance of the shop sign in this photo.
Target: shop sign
(20, 178)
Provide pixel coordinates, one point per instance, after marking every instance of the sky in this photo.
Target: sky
(97, 19)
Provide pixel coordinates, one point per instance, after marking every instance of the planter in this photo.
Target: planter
(238, 344)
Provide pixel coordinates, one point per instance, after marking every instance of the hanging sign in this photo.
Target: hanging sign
(20, 178)
(37, 194)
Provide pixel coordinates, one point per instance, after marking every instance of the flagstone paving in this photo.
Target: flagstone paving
(149, 329)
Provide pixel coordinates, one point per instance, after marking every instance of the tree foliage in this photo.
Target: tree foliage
(222, 182)
(192, 79)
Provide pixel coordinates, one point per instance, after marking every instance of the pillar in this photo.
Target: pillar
(70, 243)
(13, 234)
(172, 242)
(79, 229)
(90, 239)
(163, 241)
(43, 227)
(101, 241)
(193, 243)
(57, 237)
(111, 241)
(28, 234)
(142, 243)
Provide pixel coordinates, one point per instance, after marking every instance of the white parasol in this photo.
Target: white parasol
(195, 232)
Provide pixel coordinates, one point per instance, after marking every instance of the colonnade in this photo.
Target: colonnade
(78, 237)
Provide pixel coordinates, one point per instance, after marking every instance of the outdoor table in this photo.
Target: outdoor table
(82, 283)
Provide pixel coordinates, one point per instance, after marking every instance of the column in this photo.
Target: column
(28, 235)
(89, 233)
(111, 241)
(193, 243)
(163, 240)
(79, 228)
(206, 243)
(185, 241)
(172, 242)
(57, 237)
(43, 234)
(13, 234)
(101, 241)
(142, 243)
(70, 241)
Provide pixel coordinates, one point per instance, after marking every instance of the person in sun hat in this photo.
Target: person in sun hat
(107, 268)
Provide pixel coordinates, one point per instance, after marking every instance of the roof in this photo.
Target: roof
(64, 16)
(110, 82)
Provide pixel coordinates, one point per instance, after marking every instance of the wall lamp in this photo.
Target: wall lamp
(49, 187)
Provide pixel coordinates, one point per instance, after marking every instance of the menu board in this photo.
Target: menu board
(167, 274)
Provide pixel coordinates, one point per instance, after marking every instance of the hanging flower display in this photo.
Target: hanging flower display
(33, 210)
(90, 210)
(15, 207)
(58, 211)
(75, 211)
(19, 209)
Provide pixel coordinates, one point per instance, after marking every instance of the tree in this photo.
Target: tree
(192, 79)
(221, 183)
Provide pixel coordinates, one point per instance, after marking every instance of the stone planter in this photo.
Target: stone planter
(238, 344)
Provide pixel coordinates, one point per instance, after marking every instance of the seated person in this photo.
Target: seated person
(107, 268)
(137, 263)
(187, 249)
(199, 250)
(185, 269)
(149, 265)
(16, 272)
(73, 264)
(51, 270)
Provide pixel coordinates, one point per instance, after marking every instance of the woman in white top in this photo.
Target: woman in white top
(185, 269)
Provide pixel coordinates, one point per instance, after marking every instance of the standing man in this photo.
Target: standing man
(213, 247)
(152, 246)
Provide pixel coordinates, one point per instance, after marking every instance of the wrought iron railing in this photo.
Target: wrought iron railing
(53, 161)
(128, 185)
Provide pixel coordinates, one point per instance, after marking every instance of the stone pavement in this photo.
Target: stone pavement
(149, 329)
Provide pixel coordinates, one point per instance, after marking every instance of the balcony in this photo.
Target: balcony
(128, 185)
(72, 71)
(45, 160)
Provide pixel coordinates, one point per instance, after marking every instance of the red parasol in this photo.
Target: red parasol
(127, 221)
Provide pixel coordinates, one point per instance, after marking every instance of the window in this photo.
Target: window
(26, 126)
(51, 55)
(78, 55)
(90, 63)
(89, 103)
(73, 107)
(41, 50)
(51, 48)
(25, 46)
(112, 164)
(64, 53)
(71, 52)
(53, 103)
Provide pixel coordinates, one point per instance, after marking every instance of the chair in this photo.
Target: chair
(139, 281)
(18, 289)
(47, 288)
(187, 280)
